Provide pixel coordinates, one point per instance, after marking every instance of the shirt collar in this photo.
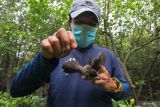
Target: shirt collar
(86, 48)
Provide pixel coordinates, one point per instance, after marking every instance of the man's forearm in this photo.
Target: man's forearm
(32, 76)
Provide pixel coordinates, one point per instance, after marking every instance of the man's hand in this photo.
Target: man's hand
(59, 45)
(104, 80)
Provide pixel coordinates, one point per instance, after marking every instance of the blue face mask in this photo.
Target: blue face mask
(84, 34)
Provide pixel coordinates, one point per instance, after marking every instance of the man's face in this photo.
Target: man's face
(87, 18)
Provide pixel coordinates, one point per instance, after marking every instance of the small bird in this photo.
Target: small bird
(90, 70)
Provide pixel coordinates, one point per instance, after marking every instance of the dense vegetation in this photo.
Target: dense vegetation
(130, 28)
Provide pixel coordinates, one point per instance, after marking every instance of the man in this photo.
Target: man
(71, 90)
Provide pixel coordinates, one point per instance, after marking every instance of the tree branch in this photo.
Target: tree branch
(137, 48)
(146, 73)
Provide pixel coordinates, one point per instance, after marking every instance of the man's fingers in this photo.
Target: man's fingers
(55, 42)
(103, 70)
(47, 49)
(73, 42)
(103, 76)
(85, 78)
(101, 80)
(59, 45)
(65, 42)
(98, 82)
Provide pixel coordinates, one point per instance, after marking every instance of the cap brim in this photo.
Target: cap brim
(78, 12)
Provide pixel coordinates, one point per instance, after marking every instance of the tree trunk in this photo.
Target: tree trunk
(4, 77)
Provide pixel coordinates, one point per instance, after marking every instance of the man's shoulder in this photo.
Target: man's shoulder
(103, 49)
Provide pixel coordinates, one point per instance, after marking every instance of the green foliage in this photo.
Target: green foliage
(130, 23)
(124, 103)
(140, 82)
(28, 101)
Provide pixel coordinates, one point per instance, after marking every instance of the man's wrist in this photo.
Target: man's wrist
(51, 60)
(119, 85)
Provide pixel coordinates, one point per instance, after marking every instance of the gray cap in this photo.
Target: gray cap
(80, 6)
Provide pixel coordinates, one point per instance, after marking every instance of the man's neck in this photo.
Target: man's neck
(86, 48)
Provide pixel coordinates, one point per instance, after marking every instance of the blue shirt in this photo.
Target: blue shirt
(69, 90)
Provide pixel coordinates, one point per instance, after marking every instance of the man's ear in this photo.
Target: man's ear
(69, 23)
